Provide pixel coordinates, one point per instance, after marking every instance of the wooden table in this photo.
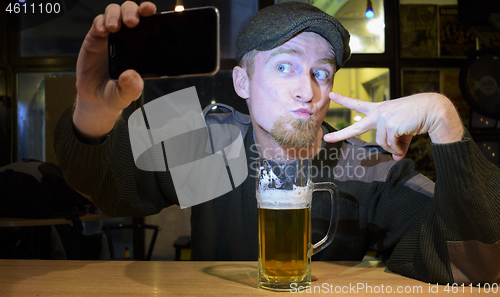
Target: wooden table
(40, 278)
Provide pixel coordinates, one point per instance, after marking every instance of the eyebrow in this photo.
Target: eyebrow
(281, 51)
(329, 61)
(290, 51)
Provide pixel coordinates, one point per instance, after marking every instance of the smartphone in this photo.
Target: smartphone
(168, 44)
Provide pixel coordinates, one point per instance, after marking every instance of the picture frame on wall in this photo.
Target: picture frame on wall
(418, 31)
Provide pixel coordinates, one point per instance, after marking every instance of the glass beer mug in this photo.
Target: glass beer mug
(284, 194)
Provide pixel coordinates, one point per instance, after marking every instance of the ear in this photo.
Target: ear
(241, 82)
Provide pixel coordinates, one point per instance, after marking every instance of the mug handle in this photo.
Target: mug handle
(332, 229)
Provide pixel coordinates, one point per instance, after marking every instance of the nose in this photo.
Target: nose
(304, 90)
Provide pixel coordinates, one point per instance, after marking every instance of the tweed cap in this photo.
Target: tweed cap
(276, 24)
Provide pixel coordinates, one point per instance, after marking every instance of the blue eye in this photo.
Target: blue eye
(321, 74)
(285, 68)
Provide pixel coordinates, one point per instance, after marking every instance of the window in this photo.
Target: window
(369, 84)
(31, 141)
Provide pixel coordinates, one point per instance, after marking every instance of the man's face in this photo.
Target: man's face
(288, 92)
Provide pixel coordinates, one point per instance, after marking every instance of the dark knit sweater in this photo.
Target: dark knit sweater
(416, 226)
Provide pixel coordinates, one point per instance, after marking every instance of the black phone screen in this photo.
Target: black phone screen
(170, 44)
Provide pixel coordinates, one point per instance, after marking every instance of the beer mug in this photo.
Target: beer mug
(284, 194)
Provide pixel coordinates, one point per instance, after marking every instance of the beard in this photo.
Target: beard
(288, 131)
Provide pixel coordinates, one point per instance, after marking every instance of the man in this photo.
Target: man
(288, 55)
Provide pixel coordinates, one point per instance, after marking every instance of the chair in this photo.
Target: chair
(108, 229)
(183, 248)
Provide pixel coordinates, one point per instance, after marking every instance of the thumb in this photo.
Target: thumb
(130, 86)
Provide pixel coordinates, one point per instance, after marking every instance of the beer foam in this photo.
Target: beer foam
(268, 177)
(299, 197)
(275, 198)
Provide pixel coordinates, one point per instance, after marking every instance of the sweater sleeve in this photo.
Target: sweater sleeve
(455, 237)
(107, 173)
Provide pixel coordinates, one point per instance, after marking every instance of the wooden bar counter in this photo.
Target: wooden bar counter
(44, 278)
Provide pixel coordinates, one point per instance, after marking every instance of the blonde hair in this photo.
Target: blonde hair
(247, 62)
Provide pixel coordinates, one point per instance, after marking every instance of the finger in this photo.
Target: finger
(362, 106)
(130, 14)
(112, 18)
(397, 158)
(397, 145)
(403, 144)
(147, 9)
(96, 39)
(98, 28)
(364, 125)
(130, 86)
(389, 141)
(394, 146)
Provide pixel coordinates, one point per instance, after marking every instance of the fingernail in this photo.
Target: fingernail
(113, 22)
(128, 16)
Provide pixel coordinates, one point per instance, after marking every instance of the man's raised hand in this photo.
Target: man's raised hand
(398, 120)
(100, 100)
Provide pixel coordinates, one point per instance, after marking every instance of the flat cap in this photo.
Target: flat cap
(276, 24)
